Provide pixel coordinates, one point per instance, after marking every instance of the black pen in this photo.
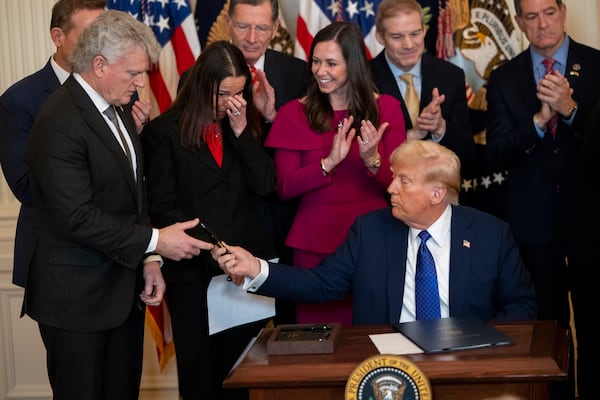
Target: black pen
(214, 239)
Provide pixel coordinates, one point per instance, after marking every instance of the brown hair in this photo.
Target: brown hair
(195, 100)
(63, 10)
(362, 104)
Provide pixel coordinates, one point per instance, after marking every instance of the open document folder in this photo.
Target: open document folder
(230, 305)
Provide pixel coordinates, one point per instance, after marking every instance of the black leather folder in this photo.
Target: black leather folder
(454, 333)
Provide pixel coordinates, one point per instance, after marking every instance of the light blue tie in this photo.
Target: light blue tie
(427, 295)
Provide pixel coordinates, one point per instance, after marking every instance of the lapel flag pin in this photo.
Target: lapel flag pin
(466, 244)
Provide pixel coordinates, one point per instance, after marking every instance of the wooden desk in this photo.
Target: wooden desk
(538, 356)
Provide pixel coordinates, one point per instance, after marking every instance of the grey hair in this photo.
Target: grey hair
(112, 34)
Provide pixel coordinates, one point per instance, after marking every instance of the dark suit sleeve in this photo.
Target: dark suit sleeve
(510, 131)
(14, 137)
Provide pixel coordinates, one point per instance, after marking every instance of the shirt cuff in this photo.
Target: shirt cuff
(541, 132)
(252, 285)
(153, 241)
(434, 139)
(152, 257)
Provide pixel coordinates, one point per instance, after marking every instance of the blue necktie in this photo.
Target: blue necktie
(427, 295)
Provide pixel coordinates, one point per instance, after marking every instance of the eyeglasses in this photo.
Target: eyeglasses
(244, 29)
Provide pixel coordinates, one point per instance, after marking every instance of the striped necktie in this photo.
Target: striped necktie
(553, 123)
(112, 116)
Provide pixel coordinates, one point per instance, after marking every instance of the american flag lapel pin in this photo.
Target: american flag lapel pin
(575, 70)
(466, 244)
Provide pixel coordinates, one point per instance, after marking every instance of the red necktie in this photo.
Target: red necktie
(553, 123)
(214, 141)
(253, 73)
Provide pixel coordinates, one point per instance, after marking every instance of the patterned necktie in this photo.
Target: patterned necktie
(411, 98)
(112, 116)
(427, 295)
(553, 123)
(253, 73)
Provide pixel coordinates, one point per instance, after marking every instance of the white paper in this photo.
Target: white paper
(230, 305)
(394, 343)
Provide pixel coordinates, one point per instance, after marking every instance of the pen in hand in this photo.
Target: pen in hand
(215, 239)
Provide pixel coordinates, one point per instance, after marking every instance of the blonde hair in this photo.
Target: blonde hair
(439, 164)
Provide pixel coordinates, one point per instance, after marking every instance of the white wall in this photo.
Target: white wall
(24, 48)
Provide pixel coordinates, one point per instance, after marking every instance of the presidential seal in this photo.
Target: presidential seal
(387, 377)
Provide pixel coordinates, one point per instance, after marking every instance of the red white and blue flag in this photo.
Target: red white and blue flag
(316, 14)
(172, 22)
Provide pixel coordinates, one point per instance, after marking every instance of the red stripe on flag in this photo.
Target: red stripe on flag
(159, 89)
(303, 35)
(160, 330)
(181, 47)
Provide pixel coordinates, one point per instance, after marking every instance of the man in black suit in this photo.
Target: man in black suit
(279, 77)
(535, 124)
(94, 265)
(443, 115)
(19, 105)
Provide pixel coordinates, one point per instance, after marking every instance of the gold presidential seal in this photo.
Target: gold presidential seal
(387, 377)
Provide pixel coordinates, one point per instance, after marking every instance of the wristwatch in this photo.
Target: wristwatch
(571, 111)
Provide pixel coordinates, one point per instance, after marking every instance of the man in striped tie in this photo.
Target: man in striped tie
(538, 106)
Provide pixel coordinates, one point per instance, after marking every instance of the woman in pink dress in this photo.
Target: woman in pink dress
(331, 149)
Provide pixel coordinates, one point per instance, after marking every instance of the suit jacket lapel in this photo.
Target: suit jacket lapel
(386, 83)
(127, 119)
(395, 258)
(460, 260)
(50, 80)
(100, 127)
(524, 83)
(573, 67)
(426, 82)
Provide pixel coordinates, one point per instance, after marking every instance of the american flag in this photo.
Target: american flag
(172, 22)
(316, 14)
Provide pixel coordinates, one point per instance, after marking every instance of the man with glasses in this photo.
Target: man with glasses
(252, 24)
(538, 105)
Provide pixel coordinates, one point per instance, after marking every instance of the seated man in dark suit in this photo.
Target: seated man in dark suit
(477, 262)
(441, 113)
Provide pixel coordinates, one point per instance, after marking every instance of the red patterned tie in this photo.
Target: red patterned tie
(553, 123)
(253, 73)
